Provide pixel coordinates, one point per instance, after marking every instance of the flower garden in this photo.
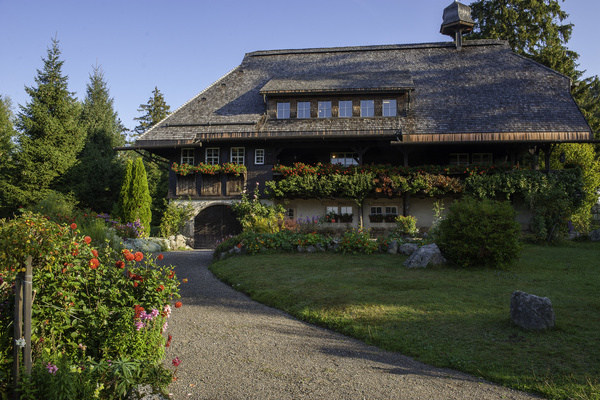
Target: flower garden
(99, 315)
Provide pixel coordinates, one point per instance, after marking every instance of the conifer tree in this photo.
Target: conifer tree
(134, 199)
(7, 132)
(95, 179)
(154, 111)
(49, 138)
(124, 195)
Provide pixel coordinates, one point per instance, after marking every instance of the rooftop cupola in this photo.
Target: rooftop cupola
(456, 21)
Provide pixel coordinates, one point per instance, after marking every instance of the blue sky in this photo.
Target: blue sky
(182, 46)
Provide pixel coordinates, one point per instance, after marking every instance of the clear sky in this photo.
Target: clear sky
(182, 46)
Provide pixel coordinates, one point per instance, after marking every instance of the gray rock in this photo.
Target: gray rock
(179, 242)
(311, 249)
(408, 248)
(143, 245)
(595, 235)
(426, 255)
(393, 247)
(301, 249)
(320, 247)
(145, 392)
(531, 312)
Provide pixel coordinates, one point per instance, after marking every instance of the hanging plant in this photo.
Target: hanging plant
(234, 169)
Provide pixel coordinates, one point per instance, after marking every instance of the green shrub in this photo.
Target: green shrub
(175, 217)
(406, 226)
(357, 241)
(257, 217)
(478, 233)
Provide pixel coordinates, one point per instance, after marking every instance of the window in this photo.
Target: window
(346, 210)
(367, 108)
(289, 213)
(303, 109)
(212, 155)
(187, 156)
(283, 110)
(393, 210)
(344, 158)
(482, 158)
(459, 159)
(377, 210)
(259, 156)
(325, 109)
(345, 108)
(238, 155)
(331, 210)
(389, 108)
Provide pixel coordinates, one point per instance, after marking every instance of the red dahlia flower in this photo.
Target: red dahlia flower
(160, 257)
(178, 304)
(87, 239)
(73, 226)
(94, 263)
(120, 264)
(139, 256)
(129, 257)
(95, 253)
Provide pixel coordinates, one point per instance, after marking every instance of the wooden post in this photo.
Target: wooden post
(27, 304)
(18, 332)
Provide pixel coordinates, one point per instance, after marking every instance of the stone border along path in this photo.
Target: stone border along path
(232, 347)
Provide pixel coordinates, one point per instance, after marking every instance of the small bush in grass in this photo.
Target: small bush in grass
(479, 232)
(358, 241)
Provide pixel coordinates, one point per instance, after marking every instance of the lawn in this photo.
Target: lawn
(448, 317)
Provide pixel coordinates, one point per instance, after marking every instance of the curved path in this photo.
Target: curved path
(231, 347)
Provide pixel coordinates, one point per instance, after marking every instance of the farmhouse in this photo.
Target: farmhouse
(457, 103)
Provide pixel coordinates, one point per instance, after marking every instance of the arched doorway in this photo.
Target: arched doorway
(212, 224)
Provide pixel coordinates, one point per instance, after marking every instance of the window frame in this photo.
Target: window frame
(235, 158)
(459, 159)
(343, 155)
(367, 108)
(391, 110)
(259, 157)
(340, 108)
(209, 159)
(391, 210)
(283, 110)
(378, 210)
(302, 112)
(324, 107)
(185, 156)
(481, 157)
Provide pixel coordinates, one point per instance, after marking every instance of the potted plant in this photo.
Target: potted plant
(331, 217)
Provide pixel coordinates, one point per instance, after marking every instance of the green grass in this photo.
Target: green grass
(456, 318)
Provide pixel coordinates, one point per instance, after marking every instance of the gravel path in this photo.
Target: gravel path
(234, 348)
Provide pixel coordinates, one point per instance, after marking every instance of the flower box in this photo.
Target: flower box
(376, 217)
(390, 218)
(346, 218)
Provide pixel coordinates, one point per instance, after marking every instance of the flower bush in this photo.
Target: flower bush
(255, 216)
(87, 299)
(130, 230)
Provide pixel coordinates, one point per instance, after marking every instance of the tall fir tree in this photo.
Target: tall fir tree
(95, 179)
(49, 138)
(155, 110)
(124, 194)
(535, 29)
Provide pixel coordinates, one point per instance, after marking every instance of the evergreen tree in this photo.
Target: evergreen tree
(535, 29)
(7, 132)
(134, 199)
(95, 179)
(154, 111)
(49, 138)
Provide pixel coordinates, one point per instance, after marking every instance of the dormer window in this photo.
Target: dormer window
(303, 109)
(367, 108)
(345, 108)
(389, 108)
(325, 109)
(283, 110)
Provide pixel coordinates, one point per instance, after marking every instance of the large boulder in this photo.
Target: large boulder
(179, 242)
(595, 235)
(426, 255)
(393, 247)
(408, 248)
(531, 312)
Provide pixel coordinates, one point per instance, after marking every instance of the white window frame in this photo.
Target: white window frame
(235, 157)
(259, 156)
(389, 108)
(187, 156)
(346, 210)
(459, 159)
(345, 113)
(324, 109)
(303, 109)
(391, 210)
(214, 157)
(290, 212)
(345, 158)
(376, 210)
(283, 110)
(367, 108)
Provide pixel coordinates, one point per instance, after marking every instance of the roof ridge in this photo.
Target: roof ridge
(467, 43)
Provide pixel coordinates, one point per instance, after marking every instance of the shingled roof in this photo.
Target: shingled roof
(483, 91)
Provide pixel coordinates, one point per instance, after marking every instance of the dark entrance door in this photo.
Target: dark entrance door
(212, 224)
